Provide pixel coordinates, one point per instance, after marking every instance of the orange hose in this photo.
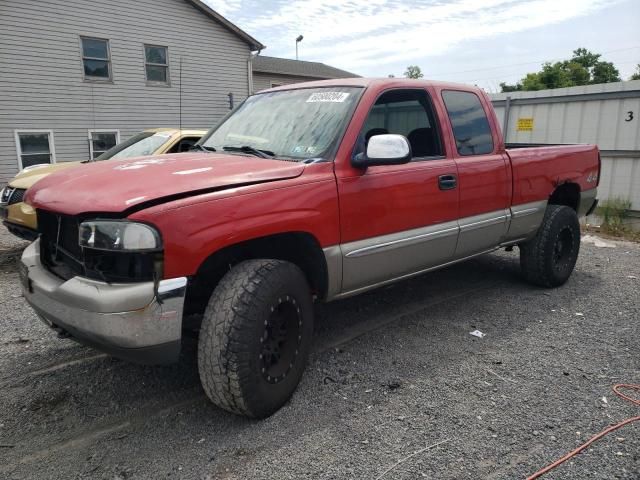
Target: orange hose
(616, 390)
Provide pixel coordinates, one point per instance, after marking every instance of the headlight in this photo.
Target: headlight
(118, 235)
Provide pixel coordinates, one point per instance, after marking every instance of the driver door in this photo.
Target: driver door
(397, 220)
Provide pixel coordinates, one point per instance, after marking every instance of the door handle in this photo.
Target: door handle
(447, 182)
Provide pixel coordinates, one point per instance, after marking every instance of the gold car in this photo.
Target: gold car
(20, 218)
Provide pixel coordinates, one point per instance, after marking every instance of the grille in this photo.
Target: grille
(12, 195)
(59, 249)
(17, 197)
(6, 194)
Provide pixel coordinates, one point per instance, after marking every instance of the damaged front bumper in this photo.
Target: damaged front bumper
(139, 322)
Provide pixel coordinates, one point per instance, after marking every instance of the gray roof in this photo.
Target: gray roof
(298, 68)
(209, 12)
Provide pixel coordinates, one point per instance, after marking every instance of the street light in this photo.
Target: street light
(298, 40)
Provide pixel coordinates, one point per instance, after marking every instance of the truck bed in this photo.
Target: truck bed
(538, 170)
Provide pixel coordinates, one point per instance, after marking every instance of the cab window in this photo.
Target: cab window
(469, 122)
(408, 113)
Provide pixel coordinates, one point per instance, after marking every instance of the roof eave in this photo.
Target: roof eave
(296, 74)
(208, 11)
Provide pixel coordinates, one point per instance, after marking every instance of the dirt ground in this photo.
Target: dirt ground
(393, 372)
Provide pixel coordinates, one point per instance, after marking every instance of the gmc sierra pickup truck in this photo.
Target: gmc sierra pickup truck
(308, 192)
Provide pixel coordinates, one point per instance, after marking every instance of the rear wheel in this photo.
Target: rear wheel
(255, 337)
(548, 258)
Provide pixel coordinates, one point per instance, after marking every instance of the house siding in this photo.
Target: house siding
(262, 81)
(42, 84)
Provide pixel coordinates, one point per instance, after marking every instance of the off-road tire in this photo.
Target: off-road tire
(548, 258)
(234, 335)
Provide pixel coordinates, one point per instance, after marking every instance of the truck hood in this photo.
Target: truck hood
(28, 178)
(119, 185)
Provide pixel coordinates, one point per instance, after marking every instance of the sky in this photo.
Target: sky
(482, 42)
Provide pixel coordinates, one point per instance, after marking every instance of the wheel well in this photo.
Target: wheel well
(299, 248)
(566, 194)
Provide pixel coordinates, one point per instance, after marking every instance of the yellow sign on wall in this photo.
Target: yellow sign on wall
(525, 124)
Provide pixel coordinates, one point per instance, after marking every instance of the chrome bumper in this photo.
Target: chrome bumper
(134, 321)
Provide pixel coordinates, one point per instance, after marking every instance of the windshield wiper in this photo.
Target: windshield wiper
(202, 148)
(251, 150)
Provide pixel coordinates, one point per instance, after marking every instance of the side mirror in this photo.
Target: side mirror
(387, 149)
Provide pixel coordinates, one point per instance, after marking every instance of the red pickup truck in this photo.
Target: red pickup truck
(309, 192)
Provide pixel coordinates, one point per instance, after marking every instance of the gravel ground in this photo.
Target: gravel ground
(10, 246)
(393, 372)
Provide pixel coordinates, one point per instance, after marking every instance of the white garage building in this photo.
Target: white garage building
(607, 114)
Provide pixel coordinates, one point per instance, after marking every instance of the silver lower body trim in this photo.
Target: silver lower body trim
(526, 218)
(373, 260)
(402, 242)
(407, 276)
(587, 198)
(480, 232)
(365, 264)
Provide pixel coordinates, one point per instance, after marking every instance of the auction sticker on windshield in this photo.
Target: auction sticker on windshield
(336, 97)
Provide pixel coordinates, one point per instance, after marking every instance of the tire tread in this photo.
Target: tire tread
(534, 254)
(229, 317)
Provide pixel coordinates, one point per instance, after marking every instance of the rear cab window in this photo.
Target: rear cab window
(469, 122)
(406, 112)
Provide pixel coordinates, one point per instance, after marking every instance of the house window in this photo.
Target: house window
(34, 147)
(96, 59)
(102, 140)
(156, 64)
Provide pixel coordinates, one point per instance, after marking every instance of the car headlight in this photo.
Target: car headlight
(118, 235)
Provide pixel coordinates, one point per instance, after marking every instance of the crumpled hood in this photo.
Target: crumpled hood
(118, 185)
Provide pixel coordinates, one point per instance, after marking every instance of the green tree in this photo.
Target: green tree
(504, 87)
(585, 58)
(583, 68)
(532, 82)
(555, 75)
(636, 75)
(577, 73)
(413, 71)
(605, 72)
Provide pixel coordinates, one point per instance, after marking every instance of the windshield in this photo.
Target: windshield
(297, 124)
(144, 143)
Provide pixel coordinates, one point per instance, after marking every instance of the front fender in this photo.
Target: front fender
(193, 229)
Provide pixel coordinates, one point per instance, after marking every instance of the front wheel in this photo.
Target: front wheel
(548, 258)
(255, 337)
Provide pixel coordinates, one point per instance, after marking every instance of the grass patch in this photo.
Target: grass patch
(615, 214)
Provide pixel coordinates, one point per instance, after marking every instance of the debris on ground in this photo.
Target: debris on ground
(597, 241)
